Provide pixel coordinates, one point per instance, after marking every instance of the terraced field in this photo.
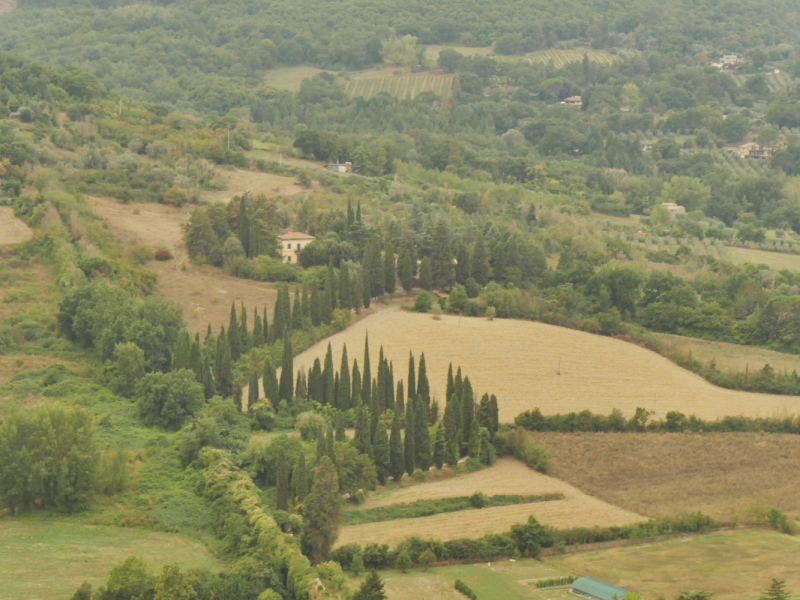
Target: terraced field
(407, 86)
(565, 57)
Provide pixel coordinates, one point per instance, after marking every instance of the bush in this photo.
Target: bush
(424, 301)
(403, 562)
(478, 500)
(263, 415)
(167, 399)
(427, 558)
(465, 589)
(162, 254)
(308, 424)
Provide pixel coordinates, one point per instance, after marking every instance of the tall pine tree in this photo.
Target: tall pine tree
(315, 382)
(282, 482)
(345, 287)
(355, 384)
(422, 436)
(479, 262)
(244, 333)
(366, 380)
(297, 311)
(406, 265)
(258, 332)
(396, 455)
(410, 455)
(439, 446)
(328, 376)
(286, 386)
(225, 377)
(380, 453)
(300, 480)
(271, 387)
(442, 268)
(412, 377)
(399, 402)
(344, 392)
(252, 391)
(233, 335)
(389, 269)
(423, 387)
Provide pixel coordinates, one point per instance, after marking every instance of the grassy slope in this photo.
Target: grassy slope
(47, 558)
(720, 474)
(732, 565)
(774, 260)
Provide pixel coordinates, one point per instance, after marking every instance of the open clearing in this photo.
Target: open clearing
(405, 86)
(42, 559)
(502, 580)
(508, 476)
(290, 78)
(206, 292)
(733, 357)
(12, 230)
(723, 475)
(529, 365)
(735, 565)
(239, 181)
(774, 260)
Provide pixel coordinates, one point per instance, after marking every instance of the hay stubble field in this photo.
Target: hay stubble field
(529, 365)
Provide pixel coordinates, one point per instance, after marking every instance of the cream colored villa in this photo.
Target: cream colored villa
(291, 244)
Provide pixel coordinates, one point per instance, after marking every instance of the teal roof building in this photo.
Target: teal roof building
(592, 589)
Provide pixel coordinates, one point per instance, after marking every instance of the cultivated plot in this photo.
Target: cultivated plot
(12, 230)
(529, 365)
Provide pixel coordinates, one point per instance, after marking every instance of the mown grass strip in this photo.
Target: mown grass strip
(426, 508)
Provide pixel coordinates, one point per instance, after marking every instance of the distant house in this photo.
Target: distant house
(572, 101)
(593, 589)
(754, 150)
(729, 59)
(674, 209)
(647, 146)
(340, 167)
(291, 244)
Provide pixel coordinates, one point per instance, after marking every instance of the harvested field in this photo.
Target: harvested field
(508, 476)
(406, 86)
(239, 181)
(774, 260)
(205, 293)
(290, 78)
(529, 365)
(732, 565)
(12, 230)
(720, 474)
(42, 559)
(733, 357)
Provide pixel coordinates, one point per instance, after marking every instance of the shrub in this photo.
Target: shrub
(465, 589)
(478, 500)
(427, 558)
(424, 301)
(162, 253)
(263, 415)
(542, 583)
(403, 562)
(308, 424)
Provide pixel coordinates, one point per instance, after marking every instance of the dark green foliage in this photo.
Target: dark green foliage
(127, 369)
(300, 480)
(381, 454)
(344, 391)
(345, 288)
(396, 451)
(422, 436)
(328, 383)
(479, 263)
(258, 331)
(403, 562)
(49, 459)
(426, 274)
(442, 255)
(84, 592)
(286, 386)
(439, 446)
(224, 376)
(355, 384)
(399, 401)
(467, 410)
(371, 588)
(543, 583)
(465, 589)
(361, 437)
(244, 333)
(271, 387)
(412, 378)
(409, 452)
(389, 269)
(366, 379)
(282, 483)
(297, 311)
(531, 537)
(776, 591)
(315, 382)
(451, 452)
(321, 512)
(330, 444)
(234, 339)
(474, 446)
(167, 399)
(372, 268)
(407, 265)
(252, 390)
(423, 387)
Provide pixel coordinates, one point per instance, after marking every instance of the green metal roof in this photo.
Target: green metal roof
(599, 590)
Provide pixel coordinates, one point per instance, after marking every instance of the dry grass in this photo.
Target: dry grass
(290, 78)
(732, 565)
(12, 230)
(532, 365)
(239, 181)
(722, 474)
(727, 356)
(774, 260)
(508, 476)
(13, 364)
(205, 293)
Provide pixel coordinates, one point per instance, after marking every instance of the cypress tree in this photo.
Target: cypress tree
(286, 386)
(255, 239)
(225, 377)
(330, 447)
(451, 387)
(422, 435)
(265, 327)
(372, 265)
(345, 290)
(316, 308)
(442, 269)
(351, 217)
(300, 387)
(344, 391)
(180, 354)
(258, 332)
(366, 287)
(423, 388)
(495, 415)
(209, 390)
(221, 343)
(208, 334)
(358, 212)
(320, 443)
(355, 385)
(410, 455)
(244, 333)
(358, 293)
(412, 378)
(341, 436)
(390, 387)
(361, 434)
(328, 378)
(399, 403)
(297, 311)
(278, 317)
(462, 263)
(332, 284)
(406, 265)
(451, 435)
(252, 391)
(325, 308)
(305, 304)
(479, 263)
(380, 388)
(380, 453)
(474, 445)
(196, 361)
(425, 274)
(438, 447)
(374, 412)
(233, 335)
(396, 458)
(389, 269)
(271, 388)
(467, 411)
(300, 479)
(243, 226)
(335, 396)
(484, 414)
(282, 482)
(366, 378)
(315, 382)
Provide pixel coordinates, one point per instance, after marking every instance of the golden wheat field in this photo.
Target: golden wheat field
(12, 230)
(507, 476)
(529, 365)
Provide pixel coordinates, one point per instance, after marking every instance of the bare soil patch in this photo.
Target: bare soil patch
(7, 6)
(529, 365)
(240, 181)
(508, 476)
(12, 230)
(722, 475)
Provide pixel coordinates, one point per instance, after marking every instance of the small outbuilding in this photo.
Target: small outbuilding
(592, 589)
